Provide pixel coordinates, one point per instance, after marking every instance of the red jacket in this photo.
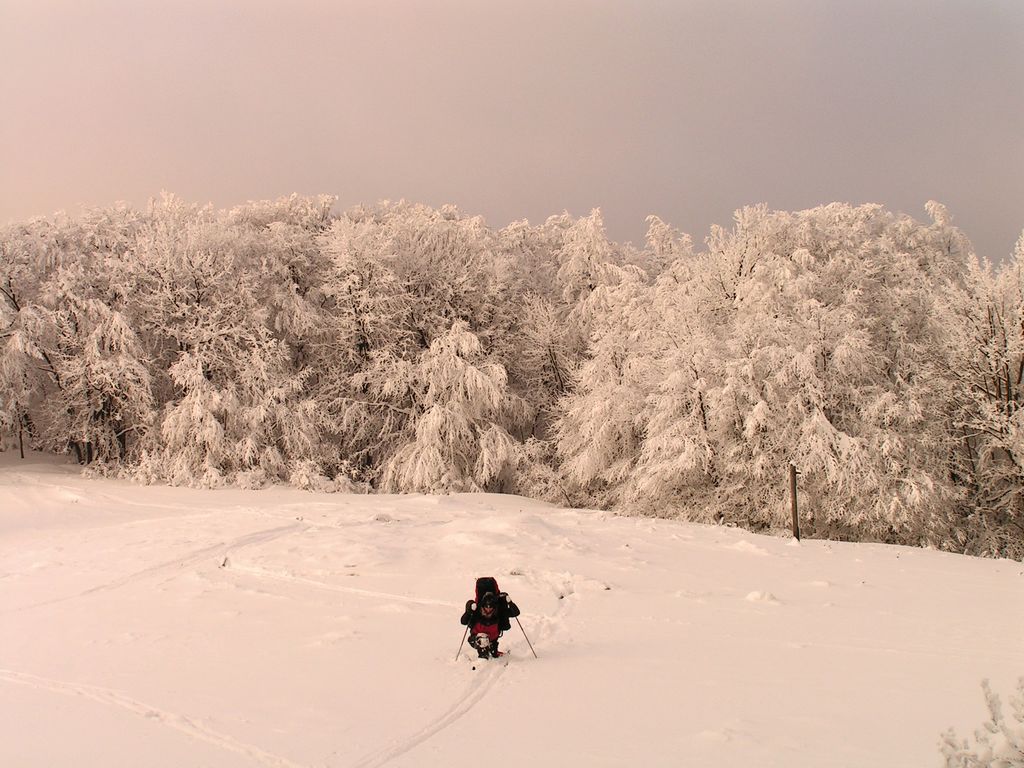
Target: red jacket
(484, 626)
(493, 626)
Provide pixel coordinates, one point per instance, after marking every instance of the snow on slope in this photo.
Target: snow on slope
(151, 626)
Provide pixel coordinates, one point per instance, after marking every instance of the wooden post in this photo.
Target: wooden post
(792, 499)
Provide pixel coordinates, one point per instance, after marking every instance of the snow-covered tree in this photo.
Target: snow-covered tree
(25, 372)
(665, 246)
(74, 368)
(106, 396)
(282, 240)
(362, 360)
(543, 346)
(678, 464)
(985, 357)
(797, 337)
(442, 259)
(548, 355)
(602, 423)
(235, 408)
(459, 440)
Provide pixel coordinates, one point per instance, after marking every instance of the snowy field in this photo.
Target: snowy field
(153, 626)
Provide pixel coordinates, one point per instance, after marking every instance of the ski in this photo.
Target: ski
(501, 659)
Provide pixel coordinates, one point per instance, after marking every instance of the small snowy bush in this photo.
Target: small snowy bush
(251, 479)
(309, 476)
(999, 742)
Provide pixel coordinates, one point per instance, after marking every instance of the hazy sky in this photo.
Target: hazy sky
(521, 109)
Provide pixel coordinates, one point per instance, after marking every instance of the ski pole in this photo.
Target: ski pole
(527, 638)
(464, 640)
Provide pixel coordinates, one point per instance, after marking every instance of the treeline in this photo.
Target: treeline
(401, 348)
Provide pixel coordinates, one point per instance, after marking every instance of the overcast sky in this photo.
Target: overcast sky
(521, 109)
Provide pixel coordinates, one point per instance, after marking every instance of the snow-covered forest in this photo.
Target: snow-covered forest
(402, 348)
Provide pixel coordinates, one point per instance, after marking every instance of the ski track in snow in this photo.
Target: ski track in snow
(258, 537)
(563, 586)
(559, 584)
(290, 578)
(464, 704)
(169, 719)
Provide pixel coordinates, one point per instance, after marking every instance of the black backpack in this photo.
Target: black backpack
(486, 584)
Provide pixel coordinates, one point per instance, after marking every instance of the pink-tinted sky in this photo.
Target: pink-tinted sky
(520, 109)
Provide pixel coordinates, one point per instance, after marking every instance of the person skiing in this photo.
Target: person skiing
(488, 617)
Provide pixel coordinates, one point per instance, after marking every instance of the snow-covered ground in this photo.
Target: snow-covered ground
(153, 626)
